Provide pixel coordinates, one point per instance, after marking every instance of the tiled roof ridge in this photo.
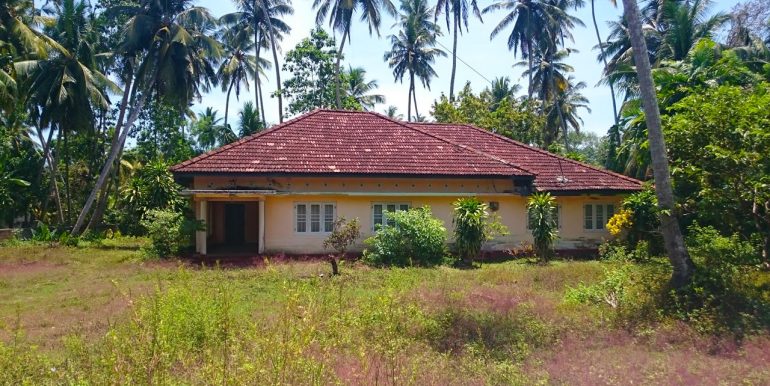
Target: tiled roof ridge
(453, 143)
(521, 144)
(244, 140)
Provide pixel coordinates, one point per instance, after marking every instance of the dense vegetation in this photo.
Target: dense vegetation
(120, 320)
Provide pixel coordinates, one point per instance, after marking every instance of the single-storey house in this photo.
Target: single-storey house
(280, 190)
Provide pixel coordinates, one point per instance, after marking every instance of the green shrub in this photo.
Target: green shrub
(473, 226)
(344, 234)
(541, 209)
(619, 252)
(630, 292)
(169, 232)
(721, 296)
(709, 247)
(645, 222)
(411, 237)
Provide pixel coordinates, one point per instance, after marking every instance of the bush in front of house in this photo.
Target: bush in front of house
(541, 208)
(473, 225)
(169, 232)
(410, 237)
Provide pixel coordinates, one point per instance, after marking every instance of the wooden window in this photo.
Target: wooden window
(596, 216)
(379, 210)
(314, 217)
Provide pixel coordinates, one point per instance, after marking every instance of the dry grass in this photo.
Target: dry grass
(281, 322)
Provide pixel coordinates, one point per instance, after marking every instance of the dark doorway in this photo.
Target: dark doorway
(235, 224)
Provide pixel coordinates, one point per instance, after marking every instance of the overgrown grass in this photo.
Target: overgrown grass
(173, 323)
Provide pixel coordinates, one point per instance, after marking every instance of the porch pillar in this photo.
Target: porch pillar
(261, 246)
(200, 236)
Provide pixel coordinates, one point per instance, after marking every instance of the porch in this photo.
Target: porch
(234, 222)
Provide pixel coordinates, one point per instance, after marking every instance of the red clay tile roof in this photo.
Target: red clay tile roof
(348, 142)
(554, 173)
(359, 143)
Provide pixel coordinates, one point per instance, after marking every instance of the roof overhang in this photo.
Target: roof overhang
(229, 194)
(180, 174)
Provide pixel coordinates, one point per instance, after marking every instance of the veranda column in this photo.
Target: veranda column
(200, 236)
(261, 247)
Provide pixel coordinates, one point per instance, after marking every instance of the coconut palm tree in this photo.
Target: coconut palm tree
(563, 111)
(167, 52)
(458, 9)
(357, 87)
(262, 19)
(62, 88)
(684, 23)
(238, 65)
(683, 266)
(413, 49)
(502, 89)
(250, 122)
(340, 14)
(392, 113)
(536, 26)
(19, 40)
(210, 132)
(604, 59)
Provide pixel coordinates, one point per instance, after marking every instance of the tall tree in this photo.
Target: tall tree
(311, 81)
(502, 89)
(264, 20)
(340, 13)
(63, 89)
(536, 26)
(250, 122)
(683, 266)
(458, 9)
(210, 132)
(360, 89)
(238, 65)
(413, 50)
(604, 59)
(684, 23)
(166, 52)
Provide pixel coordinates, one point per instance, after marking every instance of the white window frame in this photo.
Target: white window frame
(309, 217)
(596, 226)
(399, 206)
(528, 223)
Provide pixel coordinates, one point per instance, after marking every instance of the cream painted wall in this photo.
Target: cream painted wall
(354, 198)
(280, 234)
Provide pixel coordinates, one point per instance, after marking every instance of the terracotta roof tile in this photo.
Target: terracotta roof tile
(350, 142)
(554, 173)
(346, 142)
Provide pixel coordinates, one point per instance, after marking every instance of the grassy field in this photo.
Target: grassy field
(103, 315)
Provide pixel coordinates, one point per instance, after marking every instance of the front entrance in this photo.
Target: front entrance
(235, 224)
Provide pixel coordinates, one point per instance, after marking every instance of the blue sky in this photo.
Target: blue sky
(490, 58)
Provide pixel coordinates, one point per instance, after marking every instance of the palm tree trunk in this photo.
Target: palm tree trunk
(51, 163)
(118, 140)
(338, 81)
(261, 107)
(227, 103)
(275, 60)
(672, 235)
(414, 96)
(529, 58)
(454, 61)
(259, 102)
(256, 69)
(67, 193)
(409, 97)
(601, 48)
